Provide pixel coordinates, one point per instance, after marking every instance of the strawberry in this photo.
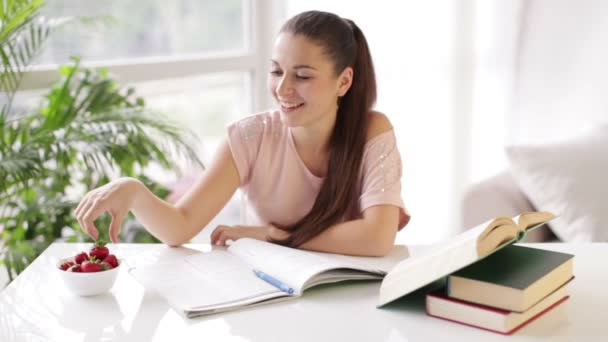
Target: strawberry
(64, 266)
(100, 251)
(91, 266)
(111, 260)
(80, 257)
(74, 268)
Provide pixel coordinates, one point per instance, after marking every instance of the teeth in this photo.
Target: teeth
(290, 105)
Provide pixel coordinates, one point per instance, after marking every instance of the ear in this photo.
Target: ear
(345, 80)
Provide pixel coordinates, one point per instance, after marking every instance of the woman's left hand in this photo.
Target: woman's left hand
(222, 233)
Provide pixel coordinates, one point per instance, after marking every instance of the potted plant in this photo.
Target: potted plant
(86, 131)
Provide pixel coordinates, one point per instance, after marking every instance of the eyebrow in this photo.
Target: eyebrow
(299, 66)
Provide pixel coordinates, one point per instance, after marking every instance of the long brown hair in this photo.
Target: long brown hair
(338, 199)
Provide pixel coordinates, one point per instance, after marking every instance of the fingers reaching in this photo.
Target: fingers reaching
(87, 212)
(115, 225)
(114, 198)
(89, 217)
(82, 208)
(84, 202)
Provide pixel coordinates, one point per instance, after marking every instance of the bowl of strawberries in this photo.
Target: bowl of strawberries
(90, 273)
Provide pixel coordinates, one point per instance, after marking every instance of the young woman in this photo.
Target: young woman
(322, 172)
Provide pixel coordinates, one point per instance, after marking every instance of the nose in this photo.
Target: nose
(284, 86)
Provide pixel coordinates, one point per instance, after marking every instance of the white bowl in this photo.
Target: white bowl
(89, 283)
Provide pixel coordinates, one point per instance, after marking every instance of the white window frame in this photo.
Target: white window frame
(261, 23)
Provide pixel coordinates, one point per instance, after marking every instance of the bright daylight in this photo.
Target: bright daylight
(261, 170)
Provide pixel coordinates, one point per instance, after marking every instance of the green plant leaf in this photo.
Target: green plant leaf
(87, 131)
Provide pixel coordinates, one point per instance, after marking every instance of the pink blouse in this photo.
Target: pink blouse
(279, 187)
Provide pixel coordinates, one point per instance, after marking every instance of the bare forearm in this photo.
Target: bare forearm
(163, 220)
(357, 237)
(172, 224)
(176, 224)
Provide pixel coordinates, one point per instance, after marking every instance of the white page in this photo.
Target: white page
(430, 264)
(377, 264)
(207, 279)
(295, 267)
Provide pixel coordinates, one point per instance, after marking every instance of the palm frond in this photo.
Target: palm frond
(131, 135)
(18, 168)
(19, 160)
(15, 14)
(87, 109)
(86, 130)
(22, 34)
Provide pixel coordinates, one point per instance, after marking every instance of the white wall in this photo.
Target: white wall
(561, 87)
(496, 36)
(541, 68)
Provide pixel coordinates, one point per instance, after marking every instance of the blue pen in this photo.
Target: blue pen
(273, 281)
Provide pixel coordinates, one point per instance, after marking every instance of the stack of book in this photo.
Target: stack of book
(505, 290)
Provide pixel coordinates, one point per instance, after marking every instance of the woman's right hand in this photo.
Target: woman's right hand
(115, 198)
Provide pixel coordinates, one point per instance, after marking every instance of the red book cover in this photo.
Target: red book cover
(487, 318)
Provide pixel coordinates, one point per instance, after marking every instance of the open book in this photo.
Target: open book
(224, 279)
(440, 260)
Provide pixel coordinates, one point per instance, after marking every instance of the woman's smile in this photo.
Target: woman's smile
(289, 107)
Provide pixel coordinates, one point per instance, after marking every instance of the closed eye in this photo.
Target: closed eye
(299, 77)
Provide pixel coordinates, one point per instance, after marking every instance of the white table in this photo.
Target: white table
(37, 307)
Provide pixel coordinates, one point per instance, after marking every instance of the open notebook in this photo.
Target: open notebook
(224, 279)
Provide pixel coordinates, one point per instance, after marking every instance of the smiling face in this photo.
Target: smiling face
(304, 83)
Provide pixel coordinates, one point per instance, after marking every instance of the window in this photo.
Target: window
(126, 29)
(201, 62)
(204, 103)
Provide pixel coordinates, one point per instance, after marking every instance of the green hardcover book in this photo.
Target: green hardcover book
(435, 262)
(514, 278)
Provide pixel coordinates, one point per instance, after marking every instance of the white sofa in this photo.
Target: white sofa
(567, 177)
(555, 87)
(499, 195)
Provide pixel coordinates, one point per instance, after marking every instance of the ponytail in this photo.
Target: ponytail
(338, 198)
